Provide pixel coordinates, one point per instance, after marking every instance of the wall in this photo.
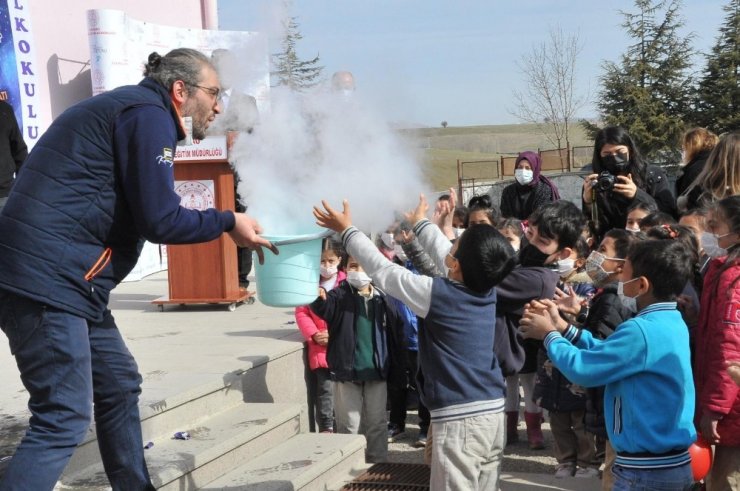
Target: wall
(62, 51)
(570, 185)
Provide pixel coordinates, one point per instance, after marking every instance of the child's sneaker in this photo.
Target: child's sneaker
(587, 472)
(394, 432)
(565, 470)
(421, 440)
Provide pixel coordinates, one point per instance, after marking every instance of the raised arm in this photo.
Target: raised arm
(413, 290)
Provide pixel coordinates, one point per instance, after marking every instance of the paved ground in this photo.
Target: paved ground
(185, 348)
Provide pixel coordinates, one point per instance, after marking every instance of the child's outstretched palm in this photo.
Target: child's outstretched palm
(333, 219)
(420, 212)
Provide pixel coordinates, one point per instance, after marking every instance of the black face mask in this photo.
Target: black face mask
(530, 256)
(616, 164)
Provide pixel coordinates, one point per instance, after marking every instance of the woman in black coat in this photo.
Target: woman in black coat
(696, 147)
(621, 179)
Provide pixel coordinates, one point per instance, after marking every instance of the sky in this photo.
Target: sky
(421, 62)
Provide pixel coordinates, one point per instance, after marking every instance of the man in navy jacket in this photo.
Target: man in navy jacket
(96, 185)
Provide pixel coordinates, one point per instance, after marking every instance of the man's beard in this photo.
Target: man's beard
(200, 120)
(199, 130)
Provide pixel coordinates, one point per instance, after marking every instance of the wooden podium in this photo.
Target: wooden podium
(205, 273)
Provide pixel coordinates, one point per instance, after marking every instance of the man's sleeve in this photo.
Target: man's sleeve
(592, 363)
(144, 147)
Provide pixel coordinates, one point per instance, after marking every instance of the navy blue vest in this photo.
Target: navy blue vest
(456, 347)
(66, 213)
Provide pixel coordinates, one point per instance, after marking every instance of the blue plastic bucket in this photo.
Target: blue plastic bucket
(291, 278)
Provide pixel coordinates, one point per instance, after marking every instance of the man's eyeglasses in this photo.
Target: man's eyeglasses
(212, 91)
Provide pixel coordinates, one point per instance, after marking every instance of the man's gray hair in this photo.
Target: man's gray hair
(179, 64)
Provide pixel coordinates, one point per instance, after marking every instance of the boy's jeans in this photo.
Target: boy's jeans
(67, 362)
(467, 453)
(673, 479)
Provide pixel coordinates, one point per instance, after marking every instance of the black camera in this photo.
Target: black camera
(605, 182)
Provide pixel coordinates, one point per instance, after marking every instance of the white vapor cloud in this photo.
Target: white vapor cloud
(319, 145)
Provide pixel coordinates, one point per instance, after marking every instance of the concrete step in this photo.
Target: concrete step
(218, 444)
(308, 462)
(164, 418)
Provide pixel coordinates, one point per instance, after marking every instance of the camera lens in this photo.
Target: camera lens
(605, 182)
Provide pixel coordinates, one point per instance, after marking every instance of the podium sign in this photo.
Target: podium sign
(206, 272)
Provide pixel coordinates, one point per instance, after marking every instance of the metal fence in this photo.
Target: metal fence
(477, 176)
(474, 173)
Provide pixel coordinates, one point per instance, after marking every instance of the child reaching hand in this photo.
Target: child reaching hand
(645, 365)
(463, 386)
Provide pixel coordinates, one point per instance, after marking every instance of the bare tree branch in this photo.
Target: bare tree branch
(548, 99)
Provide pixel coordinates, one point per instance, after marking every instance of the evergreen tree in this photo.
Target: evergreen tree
(291, 70)
(649, 91)
(718, 92)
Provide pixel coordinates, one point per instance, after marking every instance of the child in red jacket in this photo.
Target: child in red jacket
(717, 342)
(315, 331)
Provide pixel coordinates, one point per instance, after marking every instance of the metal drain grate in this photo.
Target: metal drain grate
(391, 477)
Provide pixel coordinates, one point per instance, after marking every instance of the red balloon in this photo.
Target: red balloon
(701, 458)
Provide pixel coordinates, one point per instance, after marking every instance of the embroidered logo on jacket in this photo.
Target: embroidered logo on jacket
(166, 157)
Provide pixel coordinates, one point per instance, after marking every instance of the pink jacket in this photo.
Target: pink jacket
(718, 340)
(309, 324)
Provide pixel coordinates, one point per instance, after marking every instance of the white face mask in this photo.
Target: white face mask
(595, 270)
(710, 246)
(565, 266)
(328, 271)
(458, 232)
(523, 176)
(633, 230)
(446, 270)
(629, 302)
(387, 240)
(399, 253)
(358, 279)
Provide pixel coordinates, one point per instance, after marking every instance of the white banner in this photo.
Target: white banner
(210, 148)
(120, 46)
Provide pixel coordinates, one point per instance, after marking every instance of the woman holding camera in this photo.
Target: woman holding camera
(621, 179)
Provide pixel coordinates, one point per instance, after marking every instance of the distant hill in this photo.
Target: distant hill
(442, 147)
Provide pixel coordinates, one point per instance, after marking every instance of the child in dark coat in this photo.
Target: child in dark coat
(365, 350)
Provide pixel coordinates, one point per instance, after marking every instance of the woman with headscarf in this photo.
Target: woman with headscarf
(531, 189)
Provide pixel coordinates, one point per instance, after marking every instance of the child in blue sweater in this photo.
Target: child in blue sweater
(645, 365)
(463, 386)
